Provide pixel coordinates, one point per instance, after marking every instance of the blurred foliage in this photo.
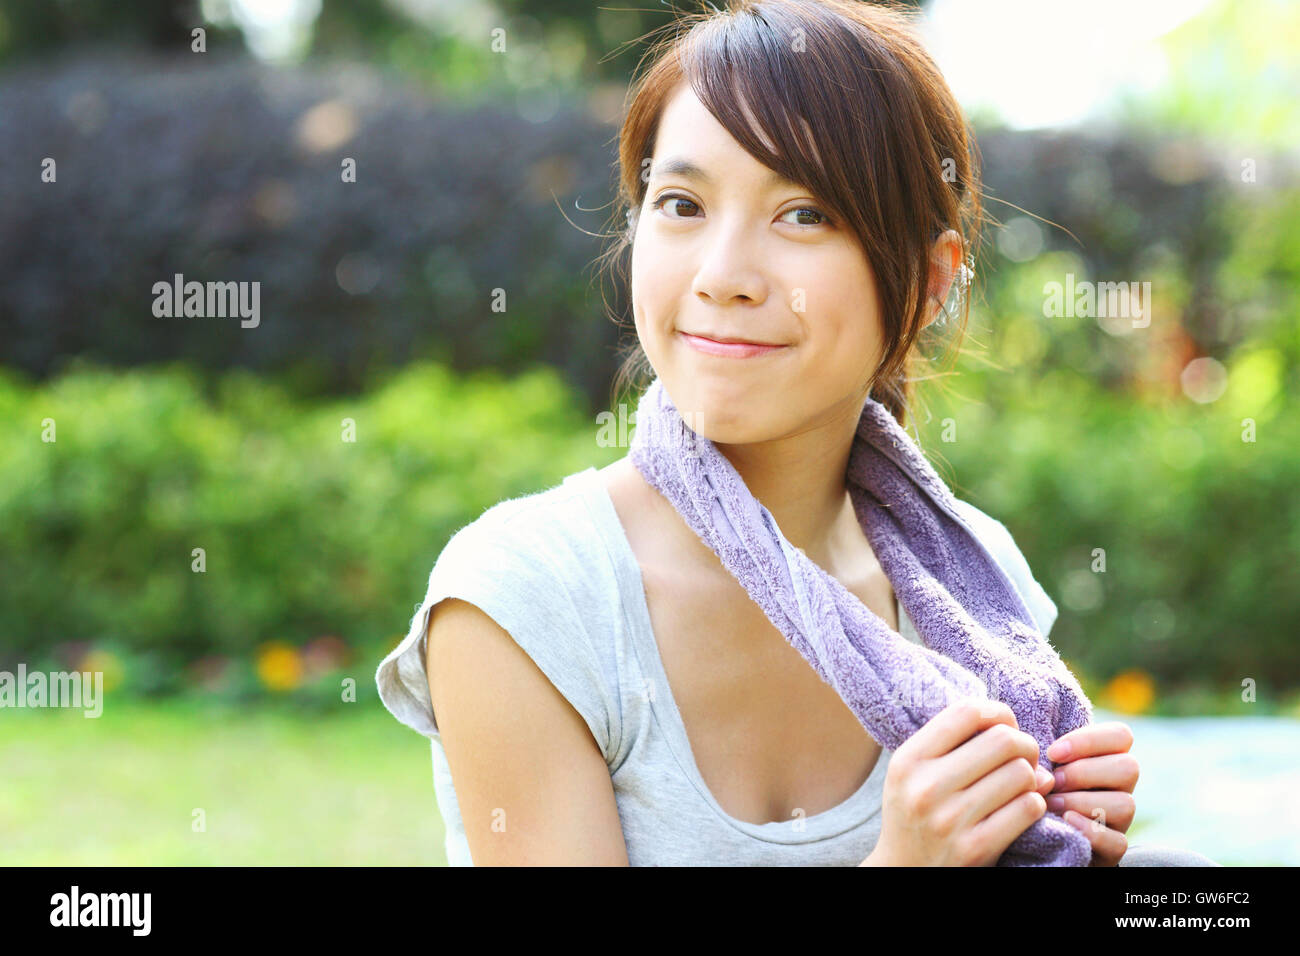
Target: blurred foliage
(1081, 438)
(1233, 75)
(410, 260)
(1200, 529)
(304, 534)
(448, 245)
(29, 29)
(38, 28)
(221, 169)
(308, 535)
(451, 45)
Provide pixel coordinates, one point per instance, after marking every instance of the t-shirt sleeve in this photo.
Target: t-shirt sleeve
(995, 536)
(502, 567)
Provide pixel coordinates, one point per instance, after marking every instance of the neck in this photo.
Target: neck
(799, 478)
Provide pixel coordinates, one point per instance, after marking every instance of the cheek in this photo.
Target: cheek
(654, 284)
(842, 316)
(649, 310)
(844, 324)
(640, 270)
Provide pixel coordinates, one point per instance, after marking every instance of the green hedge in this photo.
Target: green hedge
(304, 534)
(1200, 529)
(307, 535)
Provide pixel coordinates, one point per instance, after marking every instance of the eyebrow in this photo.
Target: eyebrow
(681, 166)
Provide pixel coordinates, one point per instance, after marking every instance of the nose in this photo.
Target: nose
(731, 267)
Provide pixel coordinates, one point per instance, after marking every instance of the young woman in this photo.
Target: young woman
(797, 177)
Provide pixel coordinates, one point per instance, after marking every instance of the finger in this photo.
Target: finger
(1113, 808)
(1111, 737)
(984, 753)
(1108, 845)
(1108, 772)
(995, 789)
(953, 726)
(998, 829)
(1046, 782)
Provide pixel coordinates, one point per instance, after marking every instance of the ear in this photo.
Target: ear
(945, 263)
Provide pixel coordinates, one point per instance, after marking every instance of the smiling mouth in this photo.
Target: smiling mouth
(733, 349)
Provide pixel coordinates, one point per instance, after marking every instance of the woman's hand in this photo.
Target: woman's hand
(960, 789)
(1094, 786)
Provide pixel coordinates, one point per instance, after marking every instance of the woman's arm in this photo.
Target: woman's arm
(531, 782)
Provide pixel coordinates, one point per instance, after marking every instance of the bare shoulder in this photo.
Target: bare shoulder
(661, 540)
(626, 486)
(467, 652)
(633, 500)
(531, 782)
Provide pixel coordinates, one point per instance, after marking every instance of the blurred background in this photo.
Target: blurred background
(234, 523)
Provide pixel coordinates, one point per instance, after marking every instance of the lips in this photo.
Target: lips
(730, 339)
(731, 349)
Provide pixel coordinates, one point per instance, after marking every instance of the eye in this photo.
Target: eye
(667, 197)
(822, 218)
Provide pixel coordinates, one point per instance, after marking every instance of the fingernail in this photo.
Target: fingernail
(1059, 750)
(1056, 803)
(1059, 777)
(1042, 775)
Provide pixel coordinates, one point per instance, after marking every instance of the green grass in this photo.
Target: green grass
(277, 787)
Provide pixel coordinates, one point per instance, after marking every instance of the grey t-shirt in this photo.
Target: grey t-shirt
(556, 571)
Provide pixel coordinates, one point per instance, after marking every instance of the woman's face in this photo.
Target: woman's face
(734, 253)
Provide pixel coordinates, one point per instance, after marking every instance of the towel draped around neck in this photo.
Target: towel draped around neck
(979, 639)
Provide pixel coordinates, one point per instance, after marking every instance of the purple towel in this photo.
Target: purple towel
(980, 639)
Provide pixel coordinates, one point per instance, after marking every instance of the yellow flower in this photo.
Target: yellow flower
(108, 663)
(1130, 692)
(279, 666)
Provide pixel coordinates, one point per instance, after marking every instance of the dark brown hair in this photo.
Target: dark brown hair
(898, 163)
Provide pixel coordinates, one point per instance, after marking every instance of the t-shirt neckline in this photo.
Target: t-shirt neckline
(829, 823)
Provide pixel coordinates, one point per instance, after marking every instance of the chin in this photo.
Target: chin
(725, 410)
